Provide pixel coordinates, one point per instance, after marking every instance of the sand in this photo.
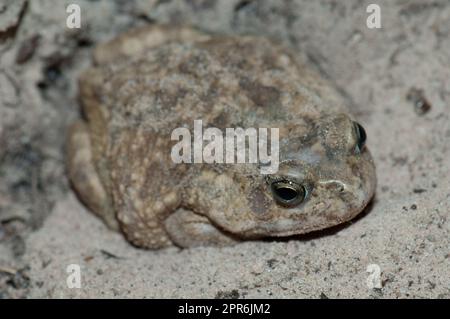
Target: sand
(405, 232)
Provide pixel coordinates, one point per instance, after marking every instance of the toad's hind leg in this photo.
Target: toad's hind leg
(187, 229)
(83, 174)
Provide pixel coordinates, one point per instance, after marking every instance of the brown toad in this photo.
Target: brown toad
(149, 81)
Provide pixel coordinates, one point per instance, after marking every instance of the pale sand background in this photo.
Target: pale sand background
(406, 232)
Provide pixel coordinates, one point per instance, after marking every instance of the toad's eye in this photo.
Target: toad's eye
(288, 193)
(360, 137)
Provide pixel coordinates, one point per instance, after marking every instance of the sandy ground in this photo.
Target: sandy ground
(406, 231)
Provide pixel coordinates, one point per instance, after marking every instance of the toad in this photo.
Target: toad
(149, 81)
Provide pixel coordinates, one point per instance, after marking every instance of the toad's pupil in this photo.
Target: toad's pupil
(361, 136)
(286, 193)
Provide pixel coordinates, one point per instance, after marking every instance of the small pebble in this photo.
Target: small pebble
(27, 49)
(417, 97)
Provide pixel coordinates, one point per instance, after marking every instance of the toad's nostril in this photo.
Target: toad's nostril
(334, 185)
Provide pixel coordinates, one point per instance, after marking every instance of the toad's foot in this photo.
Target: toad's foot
(187, 229)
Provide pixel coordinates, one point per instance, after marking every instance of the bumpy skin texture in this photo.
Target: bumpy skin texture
(152, 80)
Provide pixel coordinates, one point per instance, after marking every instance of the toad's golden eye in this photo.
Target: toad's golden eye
(288, 193)
(360, 137)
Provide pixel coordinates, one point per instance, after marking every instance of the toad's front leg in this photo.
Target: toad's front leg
(188, 229)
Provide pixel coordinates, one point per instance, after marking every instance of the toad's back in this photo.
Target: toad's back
(225, 81)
